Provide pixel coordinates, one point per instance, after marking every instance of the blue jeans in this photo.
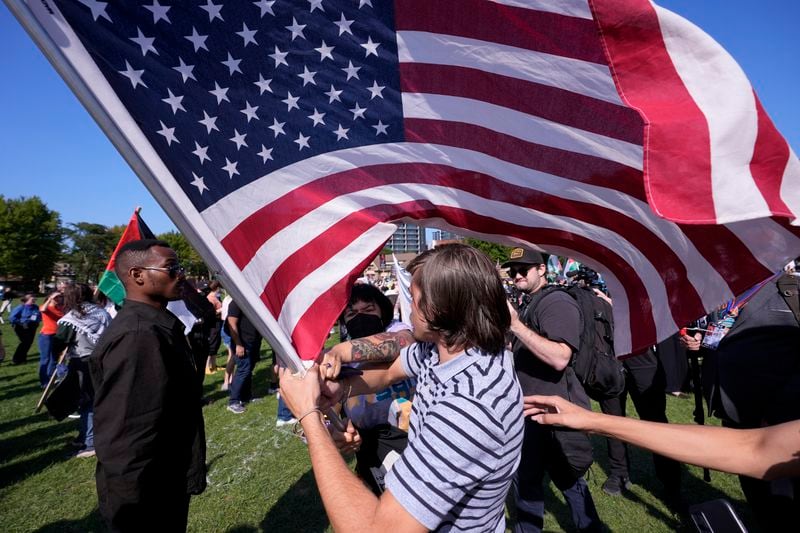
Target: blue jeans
(47, 361)
(283, 412)
(241, 389)
(86, 426)
(539, 455)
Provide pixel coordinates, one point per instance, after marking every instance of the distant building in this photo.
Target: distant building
(407, 238)
(440, 235)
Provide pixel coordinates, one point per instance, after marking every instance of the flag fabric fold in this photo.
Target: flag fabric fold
(285, 139)
(403, 278)
(109, 283)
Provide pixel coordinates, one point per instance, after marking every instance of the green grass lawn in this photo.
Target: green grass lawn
(259, 476)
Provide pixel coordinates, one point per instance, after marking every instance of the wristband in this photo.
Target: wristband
(301, 417)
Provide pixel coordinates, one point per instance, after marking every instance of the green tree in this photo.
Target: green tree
(117, 231)
(90, 246)
(30, 238)
(187, 255)
(497, 252)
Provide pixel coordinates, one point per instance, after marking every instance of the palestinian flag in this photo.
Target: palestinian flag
(110, 284)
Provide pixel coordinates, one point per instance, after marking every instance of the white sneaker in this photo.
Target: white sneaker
(280, 422)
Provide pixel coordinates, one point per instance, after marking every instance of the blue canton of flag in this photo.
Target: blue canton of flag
(227, 94)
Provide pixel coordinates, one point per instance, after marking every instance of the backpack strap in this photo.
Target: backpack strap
(536, 299)
(789, 287)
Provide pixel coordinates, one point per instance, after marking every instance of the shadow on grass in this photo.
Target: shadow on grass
(44, 437)
(15, 423)
(24, 389)
(215, 396)
(298, 509)
(262, 380)
(88, 524)
(557, 508)
(693, 488)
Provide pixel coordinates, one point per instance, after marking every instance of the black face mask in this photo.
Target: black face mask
(363, 325)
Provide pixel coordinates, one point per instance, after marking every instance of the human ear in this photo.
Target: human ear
(137, 275)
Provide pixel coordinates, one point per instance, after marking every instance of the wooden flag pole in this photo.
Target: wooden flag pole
(49, 383)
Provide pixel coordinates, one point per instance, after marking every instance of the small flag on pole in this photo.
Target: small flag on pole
(110, 284)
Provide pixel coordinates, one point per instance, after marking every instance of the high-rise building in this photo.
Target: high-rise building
(407, 238)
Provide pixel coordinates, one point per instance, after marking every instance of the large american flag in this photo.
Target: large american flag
(284, 138)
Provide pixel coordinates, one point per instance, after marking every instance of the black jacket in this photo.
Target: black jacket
(148, 421)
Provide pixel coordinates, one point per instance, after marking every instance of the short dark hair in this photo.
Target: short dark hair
(133, 254)
(364, 292)
(462, 297)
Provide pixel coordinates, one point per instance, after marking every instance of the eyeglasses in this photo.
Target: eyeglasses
(172, 270)
(522, 271)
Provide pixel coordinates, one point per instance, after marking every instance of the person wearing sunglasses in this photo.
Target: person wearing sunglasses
(149, 434)
(547, 329)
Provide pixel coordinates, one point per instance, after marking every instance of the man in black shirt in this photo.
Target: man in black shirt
(148, 419)
(751, 378)
(247, 346)
(547, 332)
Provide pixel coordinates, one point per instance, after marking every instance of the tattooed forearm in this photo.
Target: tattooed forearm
(379, 348)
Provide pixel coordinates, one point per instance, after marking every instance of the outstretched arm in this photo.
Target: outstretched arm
(379, 348)
(348, 502)
(765, 453)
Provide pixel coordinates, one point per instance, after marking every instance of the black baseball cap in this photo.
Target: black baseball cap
(523, 256)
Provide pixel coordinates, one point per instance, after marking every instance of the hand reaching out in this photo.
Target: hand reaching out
(554, 410)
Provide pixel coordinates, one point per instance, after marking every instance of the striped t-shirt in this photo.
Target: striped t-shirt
(464, 440)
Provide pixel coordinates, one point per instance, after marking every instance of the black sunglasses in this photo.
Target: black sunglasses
(521, 270)
(172, 270)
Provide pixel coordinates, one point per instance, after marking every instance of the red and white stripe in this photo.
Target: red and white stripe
(515, 134)
(709, 131)
(580, 127)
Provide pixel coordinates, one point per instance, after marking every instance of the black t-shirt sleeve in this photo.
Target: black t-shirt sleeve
(234, 310)
(558, 318)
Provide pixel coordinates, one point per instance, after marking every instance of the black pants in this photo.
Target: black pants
(159, 510)
(377, 444)
(645, 384)
(26, 336)
(542, 453)
(215, 337)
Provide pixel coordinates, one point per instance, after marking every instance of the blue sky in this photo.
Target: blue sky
(50, 146)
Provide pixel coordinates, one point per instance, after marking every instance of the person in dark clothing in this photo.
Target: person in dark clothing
(25, 319)
(546, 336)
(206, 315)
(645, 380)
(751, 379)
(213, 295)
(675, 362)
(148, 422)
(247, 347)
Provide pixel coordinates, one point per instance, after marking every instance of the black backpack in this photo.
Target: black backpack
(595, 364)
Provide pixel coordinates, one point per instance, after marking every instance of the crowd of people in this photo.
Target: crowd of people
(479, 396)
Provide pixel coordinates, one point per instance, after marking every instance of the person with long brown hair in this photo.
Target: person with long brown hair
(80, 328)
(466, 426)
